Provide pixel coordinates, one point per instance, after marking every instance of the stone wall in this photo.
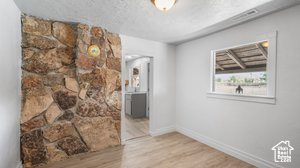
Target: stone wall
(71, 101)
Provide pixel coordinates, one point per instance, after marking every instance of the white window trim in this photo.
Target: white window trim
(271, 72)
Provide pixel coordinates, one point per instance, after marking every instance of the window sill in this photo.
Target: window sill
(247, 98)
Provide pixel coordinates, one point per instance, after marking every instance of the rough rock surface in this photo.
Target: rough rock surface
(91, 108)
(67, 55)
(55, 154)
(39, 42)
(53, 79)
(98, 133)
(114, 39)
(70, 100)
(72, 145)
(115, 44)
(116, 51)
(28, 53)
(33, 124)
(114, 63)
(82, 93)
(33, 139)
(83, 27)
(32, 157)
(96, 31)
(52, 113)
(33, 149)
(72, 84)
(68, 71)
(118, 126)
(32, 84)
(96, 79)
(96, 94)
(35, 105)
(82, 47)
(58, 131)
(43, 62)
(112, 80)
(116, 115)
(114, 100)
(65, 99)
(36, 26)
(100, 42)
(68, 116)
(64, 33)
(86, 62)
(83, 36)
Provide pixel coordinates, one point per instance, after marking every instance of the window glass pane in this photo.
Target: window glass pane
(254, 83)
(242, 70)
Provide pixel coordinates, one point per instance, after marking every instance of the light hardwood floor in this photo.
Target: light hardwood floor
(172, 150)
(135, 128)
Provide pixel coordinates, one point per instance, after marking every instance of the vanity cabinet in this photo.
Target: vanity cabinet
(135, 104)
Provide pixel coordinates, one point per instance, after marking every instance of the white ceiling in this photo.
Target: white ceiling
(188, 19)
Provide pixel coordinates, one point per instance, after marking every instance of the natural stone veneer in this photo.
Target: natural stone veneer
(71, 101)
(65, 99)
(36, 26)
(58, 131)
(52, 113)
(39, 42)
(72, 84)
(72, 145)
(64, 33)
(55, 154)
(35, 105)
(98, 132)
(33, 149)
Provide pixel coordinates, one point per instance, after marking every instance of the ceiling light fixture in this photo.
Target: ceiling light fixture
(164, 5)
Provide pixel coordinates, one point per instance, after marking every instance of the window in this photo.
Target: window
(245, 71)
(242, 70)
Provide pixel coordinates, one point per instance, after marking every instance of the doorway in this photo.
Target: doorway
(137, 80)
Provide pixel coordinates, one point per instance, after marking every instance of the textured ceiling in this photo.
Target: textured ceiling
(186, 20)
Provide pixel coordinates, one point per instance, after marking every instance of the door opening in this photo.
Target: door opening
(137, 93)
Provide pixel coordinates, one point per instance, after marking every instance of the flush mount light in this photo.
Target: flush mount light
(94, 51)
(164, 5)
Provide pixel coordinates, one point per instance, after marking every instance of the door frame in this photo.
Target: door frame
(151, 84)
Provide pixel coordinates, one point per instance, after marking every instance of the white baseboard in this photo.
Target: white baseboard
(162, 131)
(20, 165)
(249, 158)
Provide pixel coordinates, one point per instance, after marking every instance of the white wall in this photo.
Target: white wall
(247, 130)
(163, 79)
(10, 58)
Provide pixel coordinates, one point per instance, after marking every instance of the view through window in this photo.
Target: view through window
(242, 70)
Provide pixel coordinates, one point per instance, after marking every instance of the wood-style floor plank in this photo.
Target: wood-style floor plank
(135, 128)
(172, 150)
